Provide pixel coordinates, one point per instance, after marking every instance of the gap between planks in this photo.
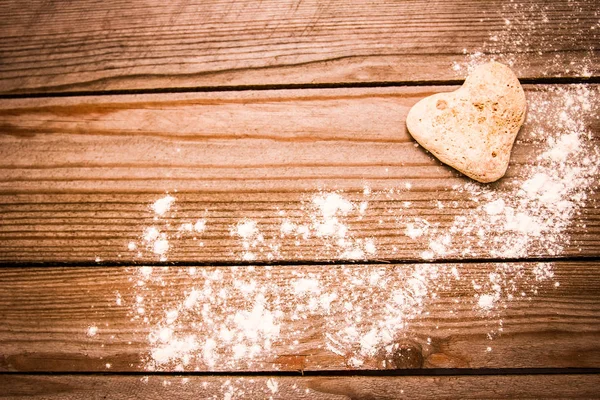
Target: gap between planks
(65, 387)
(244, 88)
(284, 263)
(431, 372)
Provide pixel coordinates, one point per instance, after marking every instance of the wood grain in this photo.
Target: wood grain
(78, 175)
(431, 312)
(571, 386)
(49, 46)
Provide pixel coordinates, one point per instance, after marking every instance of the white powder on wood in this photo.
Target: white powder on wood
(495, 207)
(530, 28)
(92, 330)
(302, 286)
(218, 319)
(200, 226)
(247, 229)
(532, 217)
(160, 246)
(324, 222)
(332, 204)
(486, 301)
(238, 316)
(150, 234)
(158, 238)
(241, 316)
(163, 205)
(273, 385)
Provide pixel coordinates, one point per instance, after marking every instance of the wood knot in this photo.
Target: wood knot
(402, 356)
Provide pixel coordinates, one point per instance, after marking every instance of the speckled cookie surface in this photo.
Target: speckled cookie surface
(473, 128)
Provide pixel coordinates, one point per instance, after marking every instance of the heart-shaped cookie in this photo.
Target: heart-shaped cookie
(473, 128)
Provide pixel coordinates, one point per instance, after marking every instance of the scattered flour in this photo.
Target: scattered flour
(273, 385)
(535, 35)
(532, 216)
(163, 205)
(250, 237)
(240, 317)
(92, 330)
(200, 226)
(486, 301)
(222, 319)
(244, 317)
(416, 228)
(325, 221)
(157, 238)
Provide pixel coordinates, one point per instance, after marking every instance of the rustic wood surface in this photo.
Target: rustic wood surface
(245, 113)
(46, 313)
(571, 386)
(46, 47)
(78, 175)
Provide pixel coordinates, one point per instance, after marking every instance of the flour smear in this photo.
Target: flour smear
(230, 318)
(245, 317)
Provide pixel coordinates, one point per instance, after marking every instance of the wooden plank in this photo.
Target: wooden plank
(78, 177)
(571, 386)
(45, 47)
(296, 318)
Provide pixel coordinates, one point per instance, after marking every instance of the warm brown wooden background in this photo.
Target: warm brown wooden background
(51, 46)
(244, 108)
(235, 155)
(555, 329)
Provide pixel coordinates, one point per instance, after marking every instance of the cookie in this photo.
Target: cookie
(473, 128)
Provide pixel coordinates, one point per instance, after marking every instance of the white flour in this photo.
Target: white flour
(531, 216)
(245, 317)
(325, 217)
(161, 206)
(536, 35)
(92, 330)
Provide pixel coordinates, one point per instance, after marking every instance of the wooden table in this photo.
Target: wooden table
(219, 199)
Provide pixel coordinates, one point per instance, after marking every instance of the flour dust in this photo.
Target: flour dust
(228, 318)
(246, 317)
(536, 36)
(232, 318)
